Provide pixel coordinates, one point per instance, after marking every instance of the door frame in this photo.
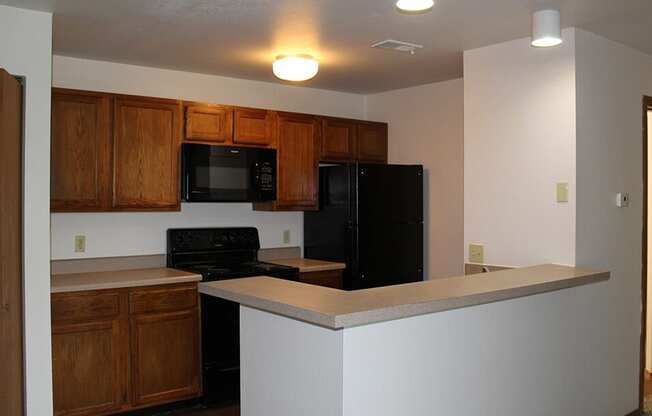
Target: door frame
(647, 106)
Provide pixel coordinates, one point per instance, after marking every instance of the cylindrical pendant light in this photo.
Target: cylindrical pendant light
(546, 28)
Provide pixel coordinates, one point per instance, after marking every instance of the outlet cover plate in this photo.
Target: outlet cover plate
(476, 253)
(80, 244)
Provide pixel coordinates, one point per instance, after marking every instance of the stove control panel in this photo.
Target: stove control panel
(214, 239)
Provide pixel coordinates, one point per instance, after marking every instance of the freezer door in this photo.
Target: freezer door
(388, 254)
(328, 232)
(390, 193)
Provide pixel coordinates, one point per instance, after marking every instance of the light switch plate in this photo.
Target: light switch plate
(476, 253)
(80, 244)
(562, 191)
(286, 237)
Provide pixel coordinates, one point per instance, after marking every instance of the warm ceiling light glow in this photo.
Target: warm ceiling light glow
(295, 67)
(546, 28)
(415, 6)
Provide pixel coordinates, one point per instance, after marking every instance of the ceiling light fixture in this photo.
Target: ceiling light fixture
(295, 67)
(415, 6)
(546, 28)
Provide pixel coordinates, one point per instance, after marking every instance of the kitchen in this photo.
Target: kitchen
(116, 218)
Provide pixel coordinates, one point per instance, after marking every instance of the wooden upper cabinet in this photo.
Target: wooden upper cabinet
(147, 133)
(338, 140)
(298, 138)
(212, 123)
(372, 142)
(254, 127)
(81, 151)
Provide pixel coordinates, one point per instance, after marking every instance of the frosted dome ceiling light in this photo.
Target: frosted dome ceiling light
(546, 28)
(415, 6)
(295, 67)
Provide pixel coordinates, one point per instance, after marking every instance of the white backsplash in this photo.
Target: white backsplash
(137, 234)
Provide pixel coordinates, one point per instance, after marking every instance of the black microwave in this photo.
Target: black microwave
(227, 174)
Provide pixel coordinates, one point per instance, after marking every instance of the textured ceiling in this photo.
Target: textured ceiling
(240, 38)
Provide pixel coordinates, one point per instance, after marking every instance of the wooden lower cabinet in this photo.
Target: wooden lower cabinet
(329, 278)
(108, 358)
(89, 367)
(164, 357)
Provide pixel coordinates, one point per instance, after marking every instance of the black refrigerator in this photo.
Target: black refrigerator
(371, 218)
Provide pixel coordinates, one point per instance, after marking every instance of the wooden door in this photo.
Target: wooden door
(298, 162)
(338, 140)
(372, 142)
(254, 127)
(211, 123)
(165, 357)
(147, 133)
(89, 367)
(11, 240)
(81, 151)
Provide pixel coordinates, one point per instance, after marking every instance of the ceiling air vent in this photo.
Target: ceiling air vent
(397, 45)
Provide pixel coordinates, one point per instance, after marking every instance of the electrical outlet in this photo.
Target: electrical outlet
(286, 236)
(80, 244)
(476, 253)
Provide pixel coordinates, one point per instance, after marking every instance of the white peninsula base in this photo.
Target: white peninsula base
(528, 356)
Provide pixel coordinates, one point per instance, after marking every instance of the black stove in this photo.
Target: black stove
(220, 254)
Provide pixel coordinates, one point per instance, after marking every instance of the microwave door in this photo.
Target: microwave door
(228, 174)
(216, 174)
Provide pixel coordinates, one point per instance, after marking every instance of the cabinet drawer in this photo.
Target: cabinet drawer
(330, 278)
(85, 306)
(163, 298)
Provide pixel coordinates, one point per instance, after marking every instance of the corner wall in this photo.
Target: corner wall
(426, 126)
(519, 141)
(611, 82)
(25, 50)
(130, 234)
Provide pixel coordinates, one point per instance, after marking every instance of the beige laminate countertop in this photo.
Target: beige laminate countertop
(335, 309)
(79, 282)
(309, 265)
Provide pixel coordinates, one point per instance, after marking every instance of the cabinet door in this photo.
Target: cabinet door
(298, 162)
(338, 140)
(81, 151)
(165, 357)
(372, 142)
(89, 367)
(253, 127)
(212, 123)
(146, 154)
(11, 243)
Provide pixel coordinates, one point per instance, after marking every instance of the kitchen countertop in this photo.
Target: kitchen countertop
(309, 265)
(335, 309)
(78, 282)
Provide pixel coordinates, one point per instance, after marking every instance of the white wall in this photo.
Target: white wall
(288, 367)
(25, 50)
(611, 81)
(123, 234)
(426, 126)
(531, 356)
(519, 140)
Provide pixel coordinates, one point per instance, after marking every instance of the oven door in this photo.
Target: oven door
(227, 174)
